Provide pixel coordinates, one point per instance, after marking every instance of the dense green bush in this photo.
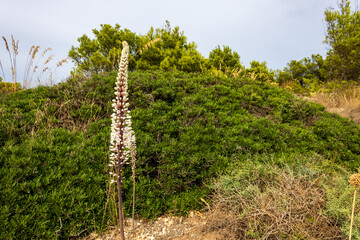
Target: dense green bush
(189, 128)
(7, 87)
(52, 184)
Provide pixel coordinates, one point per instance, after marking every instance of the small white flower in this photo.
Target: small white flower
(121, 136)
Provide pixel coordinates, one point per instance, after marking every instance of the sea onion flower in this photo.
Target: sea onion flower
(122, 138)
(121, 131)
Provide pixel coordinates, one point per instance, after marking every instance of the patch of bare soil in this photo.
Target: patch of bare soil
(168, 228)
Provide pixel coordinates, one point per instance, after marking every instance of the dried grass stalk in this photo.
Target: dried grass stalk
(354, 181)
(149, 44)
(285, 207)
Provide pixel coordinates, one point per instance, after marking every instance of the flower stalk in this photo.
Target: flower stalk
(354, 181)
(122, 136)
(133, 159)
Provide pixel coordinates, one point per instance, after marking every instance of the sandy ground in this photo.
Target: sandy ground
(166, 227)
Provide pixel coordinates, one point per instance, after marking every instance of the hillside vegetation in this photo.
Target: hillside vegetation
(190, 128)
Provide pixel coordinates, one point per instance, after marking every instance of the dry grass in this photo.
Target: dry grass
(344, 102)
(149, 44)
(13, 52)
(277, 205)
(35, 67)
(288, 208)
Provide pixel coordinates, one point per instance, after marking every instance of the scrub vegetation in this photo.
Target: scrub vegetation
(210, 135)
(190, 128)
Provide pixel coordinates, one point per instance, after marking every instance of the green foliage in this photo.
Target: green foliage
(203, 122)
(163, 48)
(102, 54)
(171, 53)
(6, 87)
(343, 36)
(54, 145)
(342, 63)
(53, 185)
(339, 200)
(304, 76)
(260, 72)
(224, 60)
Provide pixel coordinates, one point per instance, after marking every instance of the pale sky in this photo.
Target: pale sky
(275, 31)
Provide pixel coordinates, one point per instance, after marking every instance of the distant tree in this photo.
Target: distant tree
(304, 75)
(163, 48)
(260, 71)
(172, 52)
(224, 59)
(310, 68)
(191, 60)
(102, 54)
(343, 38)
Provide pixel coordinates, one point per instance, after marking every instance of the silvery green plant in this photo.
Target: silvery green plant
(122, 139)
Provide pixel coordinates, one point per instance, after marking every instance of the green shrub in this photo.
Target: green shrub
(339, 200)
(53, 185)
(189, 127)
(7, 87)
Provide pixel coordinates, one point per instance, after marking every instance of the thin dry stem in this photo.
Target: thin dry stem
(352, 215)
(149, 44)
(2, 70)
(133, 160)
(146, 47)
(12, 61)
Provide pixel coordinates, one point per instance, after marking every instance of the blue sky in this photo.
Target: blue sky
(275, 31)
